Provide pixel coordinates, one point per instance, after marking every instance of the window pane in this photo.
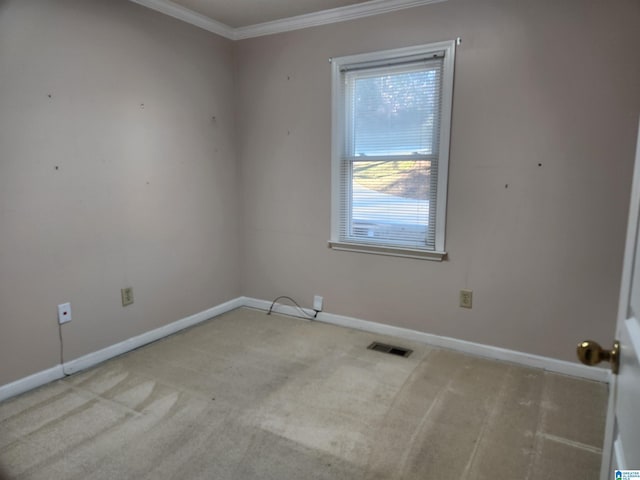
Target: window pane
(390, 201)
(390, 150)
(396, 114)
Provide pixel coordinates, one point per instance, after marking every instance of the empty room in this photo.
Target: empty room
(329, 239)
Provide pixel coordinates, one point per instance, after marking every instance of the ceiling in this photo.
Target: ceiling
(241, 13)
(238, 19)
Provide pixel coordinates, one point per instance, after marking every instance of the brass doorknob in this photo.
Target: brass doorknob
(591, 353)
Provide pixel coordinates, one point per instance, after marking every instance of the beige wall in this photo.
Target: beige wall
(142, 196)
(148, 196)
(537, 82)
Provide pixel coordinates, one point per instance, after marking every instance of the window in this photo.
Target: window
(391, 121)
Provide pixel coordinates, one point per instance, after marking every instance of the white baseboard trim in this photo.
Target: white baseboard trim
(621, 462)
(32, 381)
(59, 371)
(100, 356)
(480, 350)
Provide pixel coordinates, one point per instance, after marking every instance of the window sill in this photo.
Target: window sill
(389, 251)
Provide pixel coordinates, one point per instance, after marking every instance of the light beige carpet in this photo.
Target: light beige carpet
(251, 396)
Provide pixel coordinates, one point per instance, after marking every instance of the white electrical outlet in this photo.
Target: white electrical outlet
(317, 303)
(127, 296)
(466, 298)
(64, 313)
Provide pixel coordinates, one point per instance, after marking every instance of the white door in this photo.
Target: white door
(622, 436)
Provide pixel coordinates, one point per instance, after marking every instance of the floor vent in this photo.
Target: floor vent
(392, 349)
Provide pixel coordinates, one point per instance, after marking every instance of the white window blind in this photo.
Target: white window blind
(388, 140)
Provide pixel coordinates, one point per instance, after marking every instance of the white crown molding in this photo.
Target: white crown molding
(181, 13)
(324, 17)
(333, 15)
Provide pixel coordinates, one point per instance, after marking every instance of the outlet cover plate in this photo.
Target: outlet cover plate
(317, 303)
(127, 296)
(466, 298)
(64, 313)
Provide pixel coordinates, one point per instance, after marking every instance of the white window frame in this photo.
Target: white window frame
(338, 138)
